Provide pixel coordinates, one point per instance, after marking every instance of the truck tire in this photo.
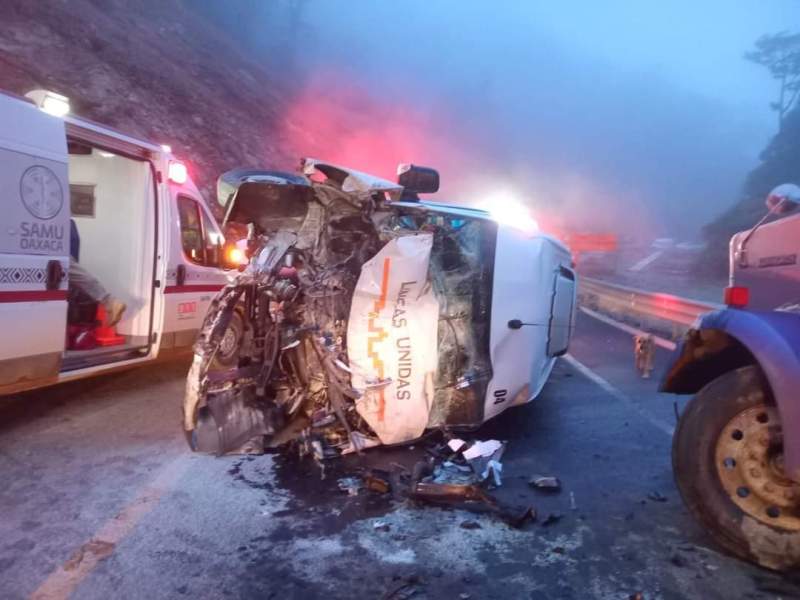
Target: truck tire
(727, 457)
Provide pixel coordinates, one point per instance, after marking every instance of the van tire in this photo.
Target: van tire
(712, 430)
(227, 355)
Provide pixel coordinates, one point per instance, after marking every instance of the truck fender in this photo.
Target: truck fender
(729, 339)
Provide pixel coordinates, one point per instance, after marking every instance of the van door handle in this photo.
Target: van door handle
(180, 275)
(55, 273)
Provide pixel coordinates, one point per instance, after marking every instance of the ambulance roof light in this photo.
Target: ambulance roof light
(177, 172)
(50, 102)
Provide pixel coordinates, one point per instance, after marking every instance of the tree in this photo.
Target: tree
(780, 54)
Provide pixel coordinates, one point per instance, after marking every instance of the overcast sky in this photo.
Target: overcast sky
(697, 45)
(610, 114)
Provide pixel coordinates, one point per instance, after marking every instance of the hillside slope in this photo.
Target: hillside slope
(154, 70)
(779, 163)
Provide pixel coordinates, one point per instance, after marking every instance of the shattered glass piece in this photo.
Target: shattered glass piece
(351, 485)
(452, 474)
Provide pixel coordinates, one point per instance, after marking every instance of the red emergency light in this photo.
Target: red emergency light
(737, 296)
(178, 173)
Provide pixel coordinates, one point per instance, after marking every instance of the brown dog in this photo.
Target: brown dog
(643, 351)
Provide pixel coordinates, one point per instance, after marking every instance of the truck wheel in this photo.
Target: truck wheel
(227, 355)
(727, 456)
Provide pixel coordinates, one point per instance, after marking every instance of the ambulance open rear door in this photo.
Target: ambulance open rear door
(34, 245)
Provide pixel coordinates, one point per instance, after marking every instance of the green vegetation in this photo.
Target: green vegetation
(779, 161)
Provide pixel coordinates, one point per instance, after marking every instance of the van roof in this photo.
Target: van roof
(30, 130)
(24, 128)
(81, 123)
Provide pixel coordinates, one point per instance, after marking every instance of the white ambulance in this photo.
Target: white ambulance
(127, 212)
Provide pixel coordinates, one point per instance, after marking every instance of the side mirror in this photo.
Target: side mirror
(783, 199)
(780, 201)
(418, 180)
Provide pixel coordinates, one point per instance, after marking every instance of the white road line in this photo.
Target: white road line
(607, 387)
(65, 579)
(659, 341)
(646, 261)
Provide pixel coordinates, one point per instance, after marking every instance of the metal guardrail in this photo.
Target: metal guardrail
(654, 312)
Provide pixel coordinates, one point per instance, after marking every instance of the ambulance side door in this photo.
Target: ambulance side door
(34, 246)
(193, 277)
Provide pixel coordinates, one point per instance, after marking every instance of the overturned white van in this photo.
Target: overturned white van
(126, 211)
(367, 315)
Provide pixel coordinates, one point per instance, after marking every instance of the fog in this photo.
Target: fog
(631, 117)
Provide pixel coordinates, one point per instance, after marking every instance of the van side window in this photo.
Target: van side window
(191, 230)
(196, 234)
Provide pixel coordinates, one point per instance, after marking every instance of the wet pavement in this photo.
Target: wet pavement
(102, 500)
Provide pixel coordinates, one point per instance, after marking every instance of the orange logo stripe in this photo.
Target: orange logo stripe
(380, 334)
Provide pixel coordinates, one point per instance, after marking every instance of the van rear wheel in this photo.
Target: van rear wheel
(727, 456)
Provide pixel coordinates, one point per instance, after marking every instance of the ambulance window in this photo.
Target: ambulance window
(192, 234)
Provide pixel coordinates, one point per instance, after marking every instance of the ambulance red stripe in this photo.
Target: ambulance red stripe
(32, 295)
(185, 289)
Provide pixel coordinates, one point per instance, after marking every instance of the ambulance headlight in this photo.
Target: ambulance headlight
(50, 102)
(236, 256)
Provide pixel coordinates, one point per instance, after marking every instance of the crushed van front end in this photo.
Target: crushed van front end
(366, 321)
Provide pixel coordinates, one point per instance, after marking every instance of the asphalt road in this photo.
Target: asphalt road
(101, 499)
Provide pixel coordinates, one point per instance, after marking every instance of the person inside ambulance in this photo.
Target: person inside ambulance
(81, 282)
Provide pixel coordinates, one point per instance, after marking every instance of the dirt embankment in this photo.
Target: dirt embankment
(155, 70)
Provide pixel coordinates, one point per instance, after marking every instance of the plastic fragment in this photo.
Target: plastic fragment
(377, 484)
(456, 444)
(545, 483)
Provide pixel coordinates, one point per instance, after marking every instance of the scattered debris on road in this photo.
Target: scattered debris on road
(351, 485)
(409, 587)
(545, 483)
(656, 496)
(376, 483)
(473, 498)
(482, 458)
(677, 560)
(443, 477)
(552, 519)
(381, 526)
